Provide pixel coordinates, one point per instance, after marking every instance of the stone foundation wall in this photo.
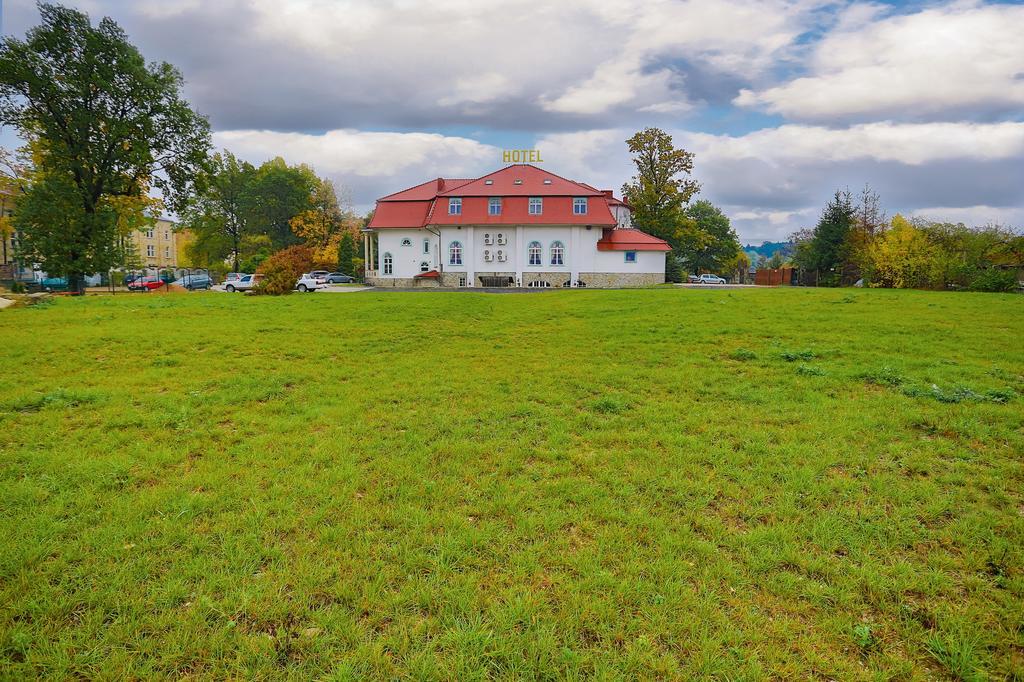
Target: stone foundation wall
(592, 280)
(396, 282)
(451, 279)
(621, 280)
(554, 279)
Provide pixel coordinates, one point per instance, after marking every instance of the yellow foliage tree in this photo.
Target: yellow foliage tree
(320, 227)
(901, 257)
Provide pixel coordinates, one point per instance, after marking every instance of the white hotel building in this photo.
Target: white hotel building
(520, 226)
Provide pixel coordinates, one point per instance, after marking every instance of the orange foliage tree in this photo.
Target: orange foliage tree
(282, 269)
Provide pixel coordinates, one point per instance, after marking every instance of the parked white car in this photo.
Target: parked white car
(710, 279)
(243, 283)
(310, 282)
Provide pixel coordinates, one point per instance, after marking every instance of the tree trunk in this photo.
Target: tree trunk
(76, 283)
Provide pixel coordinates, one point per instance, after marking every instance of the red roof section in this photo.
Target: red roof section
(400, 214)
(427, 203)
(631, 240)
(521, 180)
(555, 210)
(429, 274)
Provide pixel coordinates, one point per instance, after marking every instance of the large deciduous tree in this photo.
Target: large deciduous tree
(218, 215)
(713, 245)
(320, 225)
(103, 125)
(278, 193)
(661, 187)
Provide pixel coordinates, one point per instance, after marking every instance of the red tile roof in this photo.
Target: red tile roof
(521, 180)
(429, 274)
(631, 240)
(555, 210)
(400, 214)
(427, 203)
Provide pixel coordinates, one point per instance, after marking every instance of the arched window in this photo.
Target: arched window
(534, 251)
(389, 264)
(557, 254)
(406, 242)
(424, 266)
(455, 253)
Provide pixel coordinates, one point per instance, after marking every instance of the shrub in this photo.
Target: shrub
(283, 268)
(609, 405)
(743, 354)
(886, 376)
(993, 280)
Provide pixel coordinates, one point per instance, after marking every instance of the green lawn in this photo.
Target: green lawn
(749, 484)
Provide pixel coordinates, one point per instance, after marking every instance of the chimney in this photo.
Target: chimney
(610, 193)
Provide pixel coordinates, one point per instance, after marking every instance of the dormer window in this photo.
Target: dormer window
(547, 181)
(455, 206)
(536, 205)
(579, 206)
(518, 182)
(488, 182)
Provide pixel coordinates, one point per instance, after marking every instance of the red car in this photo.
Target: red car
(145, 284)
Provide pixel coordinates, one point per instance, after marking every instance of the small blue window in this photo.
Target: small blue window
(536, 205)
(455, 206)
(494, 206)
(631, 256)
(579, 206)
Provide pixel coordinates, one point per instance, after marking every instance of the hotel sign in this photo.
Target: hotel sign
(521, 156)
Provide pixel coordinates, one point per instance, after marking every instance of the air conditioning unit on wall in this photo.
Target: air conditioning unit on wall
(488, 240)
(487, 256)
(502, 257)
(501, 240)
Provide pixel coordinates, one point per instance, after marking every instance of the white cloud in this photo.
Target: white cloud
(974, 215)
(953, 58)
(736, 37)
(906, 143)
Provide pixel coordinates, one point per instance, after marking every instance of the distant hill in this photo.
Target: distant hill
(767, 249)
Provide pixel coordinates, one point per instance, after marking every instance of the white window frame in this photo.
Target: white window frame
(557, 248)
(406, 241)
(533, 249)
(387, 263)
(627, 256)
(454, 205)
(492, 204)
(149, 234)
(424, 266)
(455, 253)
(577, 204)
(426, 247)
(538, 203)
(150, 251)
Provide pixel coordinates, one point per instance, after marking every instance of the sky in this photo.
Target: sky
(781, 101)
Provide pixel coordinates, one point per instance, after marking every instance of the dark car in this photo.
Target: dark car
(193, 282)
(339, 278)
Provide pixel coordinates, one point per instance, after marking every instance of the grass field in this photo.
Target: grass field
(643, 484)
